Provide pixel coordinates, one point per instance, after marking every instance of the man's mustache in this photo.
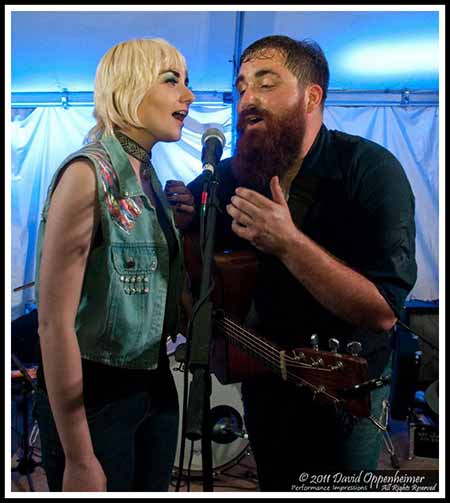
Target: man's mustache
(251, 112)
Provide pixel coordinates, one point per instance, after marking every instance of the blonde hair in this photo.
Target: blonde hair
(124, 76)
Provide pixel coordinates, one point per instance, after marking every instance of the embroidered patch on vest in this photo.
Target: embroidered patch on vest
(124, 211)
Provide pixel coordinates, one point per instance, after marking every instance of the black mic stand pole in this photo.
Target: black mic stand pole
(198, 413)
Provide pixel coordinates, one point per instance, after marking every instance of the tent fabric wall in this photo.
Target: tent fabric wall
(46, 136)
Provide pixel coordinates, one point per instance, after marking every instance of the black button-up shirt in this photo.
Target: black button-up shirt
(352, 197)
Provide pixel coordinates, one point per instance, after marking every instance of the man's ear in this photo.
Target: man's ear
(314, 95)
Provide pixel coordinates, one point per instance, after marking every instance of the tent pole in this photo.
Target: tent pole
(238, 33)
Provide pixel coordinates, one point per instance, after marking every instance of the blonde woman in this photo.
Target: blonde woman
(109, 277)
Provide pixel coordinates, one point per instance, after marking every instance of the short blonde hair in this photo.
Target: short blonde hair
(124, 76)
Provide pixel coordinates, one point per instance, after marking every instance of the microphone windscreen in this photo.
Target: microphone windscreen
(213, 133)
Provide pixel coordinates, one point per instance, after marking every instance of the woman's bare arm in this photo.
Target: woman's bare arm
(72, 220)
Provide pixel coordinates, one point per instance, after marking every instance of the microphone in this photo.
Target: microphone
(213, 142)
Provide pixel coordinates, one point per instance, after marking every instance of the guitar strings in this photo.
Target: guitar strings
(271, 358)
(249, 336)
(271, 353)
(273, 361)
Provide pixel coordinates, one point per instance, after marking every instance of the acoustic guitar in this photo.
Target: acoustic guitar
(238, 353)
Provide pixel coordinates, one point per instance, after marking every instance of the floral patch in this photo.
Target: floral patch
(124, 211)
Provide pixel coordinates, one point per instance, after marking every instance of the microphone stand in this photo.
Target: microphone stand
(198, 424)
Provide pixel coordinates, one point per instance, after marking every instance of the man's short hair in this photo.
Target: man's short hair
(304, 58)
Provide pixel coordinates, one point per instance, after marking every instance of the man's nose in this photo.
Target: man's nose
(246, 99)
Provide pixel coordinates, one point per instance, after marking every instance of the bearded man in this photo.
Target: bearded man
(331, 218)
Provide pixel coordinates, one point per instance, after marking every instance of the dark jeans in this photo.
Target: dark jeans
(134, 438)
(290, 433)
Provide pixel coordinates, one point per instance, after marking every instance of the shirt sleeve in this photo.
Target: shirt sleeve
(387, 205)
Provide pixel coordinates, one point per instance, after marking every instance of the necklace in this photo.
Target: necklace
(134, 149)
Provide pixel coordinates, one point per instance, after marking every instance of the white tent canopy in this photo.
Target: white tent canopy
(366, 49)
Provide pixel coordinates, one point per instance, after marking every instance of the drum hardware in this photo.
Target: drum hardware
(229, 440)
(26, 464)
(432, 397)
(180, 353)
(226, 425)
(382, 425)
(172, 346)
(23, 287)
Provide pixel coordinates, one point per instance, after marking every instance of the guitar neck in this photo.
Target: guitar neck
(319, 371)
(268, 353)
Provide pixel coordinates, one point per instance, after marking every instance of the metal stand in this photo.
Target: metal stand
(198, 415)
(382, 424)
(26, 464)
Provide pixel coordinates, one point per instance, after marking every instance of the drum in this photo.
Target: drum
(223, 397)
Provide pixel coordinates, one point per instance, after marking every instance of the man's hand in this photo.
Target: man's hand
(182, 202)
(266, 224)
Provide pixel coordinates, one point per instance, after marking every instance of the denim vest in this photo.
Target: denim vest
(128, 296)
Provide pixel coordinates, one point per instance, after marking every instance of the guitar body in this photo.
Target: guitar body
(238, 354)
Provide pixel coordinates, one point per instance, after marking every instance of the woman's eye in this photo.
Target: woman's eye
(171, 80)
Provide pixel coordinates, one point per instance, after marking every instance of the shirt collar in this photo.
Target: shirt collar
(321, 159)
(128, 184)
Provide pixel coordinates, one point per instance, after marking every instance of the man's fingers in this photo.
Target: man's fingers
(240, 230)
(182, 198)
(238, 215)
(185, 208)
(247, 208)
(277, 193)
(253, 198)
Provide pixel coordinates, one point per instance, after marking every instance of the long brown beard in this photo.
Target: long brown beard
(270, 151)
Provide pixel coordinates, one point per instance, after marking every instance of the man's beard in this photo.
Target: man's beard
(268, 151)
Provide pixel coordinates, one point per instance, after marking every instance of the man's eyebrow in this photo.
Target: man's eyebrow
(259, 74)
